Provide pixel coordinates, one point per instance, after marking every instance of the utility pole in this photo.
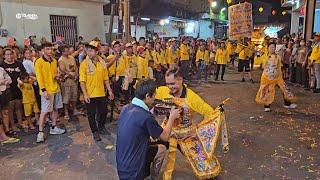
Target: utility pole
(111, 21)
(127, 20)
(120, 19)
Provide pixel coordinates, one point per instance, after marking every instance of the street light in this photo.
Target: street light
(213, 4)
(162, 22)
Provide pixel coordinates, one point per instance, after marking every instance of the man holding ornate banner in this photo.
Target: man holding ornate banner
(196, 141)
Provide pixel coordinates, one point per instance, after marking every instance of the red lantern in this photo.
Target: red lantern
(302, 11)
(274, 12)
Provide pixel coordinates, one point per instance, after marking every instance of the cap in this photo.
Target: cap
(115, 43)
(94, 44)
(128, 45)
(140, 49)
(317, 34)
(134, 42)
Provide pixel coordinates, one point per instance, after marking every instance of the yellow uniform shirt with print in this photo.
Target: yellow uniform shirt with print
(45, 73)
(93, 80)
(132, 65)
(148, 54)
(222, 56)
(172, 55)
(230, 48)
(28, 96)
(250, 49)
(194, 101)
(242, 51)
(315, 54)
(203, 55)
(142, 64)
(119, 67)
(184, 52)
(159, 57)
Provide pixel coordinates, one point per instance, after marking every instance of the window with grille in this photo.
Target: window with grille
(65, 26)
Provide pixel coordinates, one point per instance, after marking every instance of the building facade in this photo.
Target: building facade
(305, 16)
(46, 18)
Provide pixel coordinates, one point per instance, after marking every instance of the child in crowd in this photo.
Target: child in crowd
(28, 99)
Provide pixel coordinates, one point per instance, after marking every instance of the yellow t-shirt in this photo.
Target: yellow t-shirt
(28, 96)
(94, 79)
(250, 49)
(142, 63)
(132, 65)
(159, 57)
(172, 56)
(184, 52)
(45, 73)
(148, 54)
(222, 56)
(243, 53)
(315, 54)
(203, 55)
(119, 67)
(194, 101)
(230, 48)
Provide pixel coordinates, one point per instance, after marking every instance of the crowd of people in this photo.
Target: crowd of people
(41, 83)
(37, 80)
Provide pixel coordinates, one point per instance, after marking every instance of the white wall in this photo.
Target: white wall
(295, 22)
(205, 31)
(164, 31)
(89, 18)
(141, 30)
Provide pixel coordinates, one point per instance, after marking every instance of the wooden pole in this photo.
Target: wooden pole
(120, 20)
(127, 20)
(111, 22)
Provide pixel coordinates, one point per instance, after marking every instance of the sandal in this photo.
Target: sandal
(10, 141)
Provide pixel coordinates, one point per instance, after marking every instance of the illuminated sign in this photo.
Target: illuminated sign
(27, 16)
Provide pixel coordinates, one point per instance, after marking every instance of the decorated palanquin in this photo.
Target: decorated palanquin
(197, 141)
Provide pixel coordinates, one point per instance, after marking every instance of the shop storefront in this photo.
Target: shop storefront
(305, 16)
(49, 19)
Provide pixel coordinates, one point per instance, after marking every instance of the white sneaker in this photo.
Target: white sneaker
(267, 109)
(291, 106)
(40, 137)
(56, 130)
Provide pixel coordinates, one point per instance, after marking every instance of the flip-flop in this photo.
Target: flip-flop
(10, 141)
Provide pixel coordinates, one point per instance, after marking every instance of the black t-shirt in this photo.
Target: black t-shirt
(135, 126)
(14, 71)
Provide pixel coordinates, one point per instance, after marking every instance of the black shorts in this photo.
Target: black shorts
(244, 65)
(5, 98)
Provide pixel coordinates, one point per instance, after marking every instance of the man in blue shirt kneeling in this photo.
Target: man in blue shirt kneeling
(135, 127)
